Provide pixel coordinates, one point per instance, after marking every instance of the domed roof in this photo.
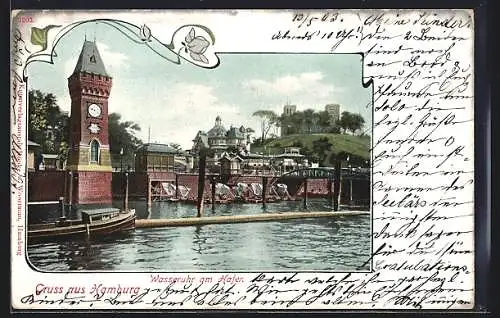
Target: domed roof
(218, 130)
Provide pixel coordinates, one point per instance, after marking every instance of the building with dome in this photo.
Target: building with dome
(220, 140)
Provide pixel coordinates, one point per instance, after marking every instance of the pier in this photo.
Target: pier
(192, 221)
(349, 188)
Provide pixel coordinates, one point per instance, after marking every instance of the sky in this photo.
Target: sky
(175, 101)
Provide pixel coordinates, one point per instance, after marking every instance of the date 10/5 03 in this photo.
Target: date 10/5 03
(25, 19)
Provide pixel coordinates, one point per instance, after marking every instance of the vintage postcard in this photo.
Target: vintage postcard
(242, 159)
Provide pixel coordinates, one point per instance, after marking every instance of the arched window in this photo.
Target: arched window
(94, 151)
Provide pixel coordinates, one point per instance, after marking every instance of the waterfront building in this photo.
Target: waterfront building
(89, 157)
(290, 159)
(230, 164)
(154, 157)
(254, 163)
(50, 161)
(258, 163)
(219, 140)
(33, 151)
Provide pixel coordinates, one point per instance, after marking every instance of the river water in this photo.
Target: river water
(321, 244)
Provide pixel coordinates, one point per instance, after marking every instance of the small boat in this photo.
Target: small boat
(97, 222)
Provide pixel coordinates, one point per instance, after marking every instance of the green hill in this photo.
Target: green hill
(357, 147)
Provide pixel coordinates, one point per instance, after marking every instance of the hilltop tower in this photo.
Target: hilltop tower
(334, 111)
(89, 157)
(289, 110)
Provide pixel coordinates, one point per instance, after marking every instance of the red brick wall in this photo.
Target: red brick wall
(92, 187)
(45, 185)
(191, 181)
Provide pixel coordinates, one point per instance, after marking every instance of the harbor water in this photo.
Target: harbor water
(321, 244)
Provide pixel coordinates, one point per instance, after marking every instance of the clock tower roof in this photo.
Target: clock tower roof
(90, 60)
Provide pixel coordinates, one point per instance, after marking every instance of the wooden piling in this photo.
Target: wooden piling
(341, 187)
(70, 194)
(330, 192)
(65, 193)
(176, 186)
(125, 203)
(336, 185)
(305, 193)
(149, 192)
(201, 182)
(264, 191)
(61, 207)
(350, 192)
(212, 187)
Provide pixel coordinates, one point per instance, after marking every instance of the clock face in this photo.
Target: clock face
(94, 128)
(94, 110)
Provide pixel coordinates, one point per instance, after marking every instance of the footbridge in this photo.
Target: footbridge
(326, 173)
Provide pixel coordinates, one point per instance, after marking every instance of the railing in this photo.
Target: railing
(321, 173)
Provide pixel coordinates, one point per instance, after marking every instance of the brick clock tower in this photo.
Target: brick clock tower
(89, 161)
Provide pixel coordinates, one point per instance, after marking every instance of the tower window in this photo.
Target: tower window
(92, 59)
(94, 151)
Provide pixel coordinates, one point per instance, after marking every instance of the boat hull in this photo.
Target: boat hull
(124, 222)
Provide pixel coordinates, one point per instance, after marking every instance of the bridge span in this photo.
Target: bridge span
(327, 173)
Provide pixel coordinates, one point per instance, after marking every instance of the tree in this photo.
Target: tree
(323, 120)
(322, 147)
(297, 144)
(268, 119)
(176, 146)
(309, 154)
(277, 125)
(351, 122)
(47, 124)
(285, 124)
(309, 119)
(122, 136)
(334, 130)
(291, 124)
(357, 122)
(344, 120)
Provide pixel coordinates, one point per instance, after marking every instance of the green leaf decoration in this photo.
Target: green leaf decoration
(39, 36)
(210, 33)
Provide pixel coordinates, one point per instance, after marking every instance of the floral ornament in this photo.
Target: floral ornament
(196, 46)
(145, 33)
